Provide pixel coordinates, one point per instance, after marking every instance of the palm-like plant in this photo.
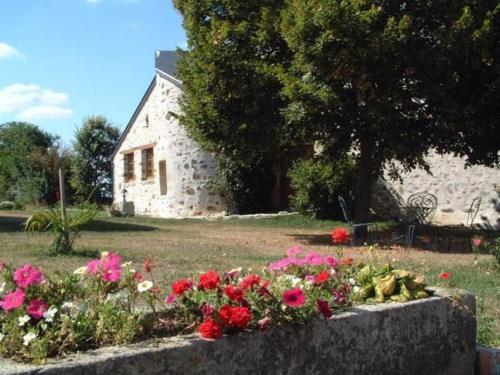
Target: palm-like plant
(64, 224)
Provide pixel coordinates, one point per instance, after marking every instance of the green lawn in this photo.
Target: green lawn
(182, 247)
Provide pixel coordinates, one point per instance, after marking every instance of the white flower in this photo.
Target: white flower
(23, 320)
(44, 326)
(104, 254)
(126, 264)
(132, 271)
(144, 286)
(1, 337)
(294, 280)
(355, 289)
(80, 271)
(2, 286)
(68, 306)
(49, 314)
(29, 337)
(352, 281)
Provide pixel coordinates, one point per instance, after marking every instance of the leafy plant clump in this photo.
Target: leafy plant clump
(64, 225)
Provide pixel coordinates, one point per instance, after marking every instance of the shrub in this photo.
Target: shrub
(317, 184)
(7, 205)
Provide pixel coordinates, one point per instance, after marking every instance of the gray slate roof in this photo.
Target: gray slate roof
(166, 62)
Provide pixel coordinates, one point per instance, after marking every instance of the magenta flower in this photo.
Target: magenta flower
(36, 308)
(324, 308)
(170, 299)
(331, 261)
(294, 297)
(93, 267)
(28, 275)
(13, 300)
(112, 275)
(207, 310)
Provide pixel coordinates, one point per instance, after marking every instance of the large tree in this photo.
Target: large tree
(91, 166)
(29, 158)
(231, 95)
(391, 79)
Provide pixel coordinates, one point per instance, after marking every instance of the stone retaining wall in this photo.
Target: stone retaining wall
(435, 336)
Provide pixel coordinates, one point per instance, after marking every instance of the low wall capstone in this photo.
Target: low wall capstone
(434, 336)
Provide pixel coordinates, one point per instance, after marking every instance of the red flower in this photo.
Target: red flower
(2, 265)
(236, 317)
(210, 329)
(340, 236)
(324, 308)
(264, 291)
(322, 277)
(233, 293)
(294, 297)
(181, 286)
(148, 265)
(445, 275)
(209, 280)
(250, 281)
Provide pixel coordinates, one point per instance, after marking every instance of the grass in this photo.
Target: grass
(181, 248)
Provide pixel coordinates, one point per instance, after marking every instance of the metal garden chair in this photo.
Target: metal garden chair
(420, 210)
(354, 226)
(465, 230)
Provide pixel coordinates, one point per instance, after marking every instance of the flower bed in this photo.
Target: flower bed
(109, 302)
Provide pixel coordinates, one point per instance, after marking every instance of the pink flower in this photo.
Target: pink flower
(294, 297)
(108, 267)
(207, 310)
(339, 296)
(331, 261)
(477, 242)
(28, 275)
(264, 323)
(170, 299)
(36, 308)
(13, 300)
(314, 259)
(293, 251)
(2, 265)
(323, 308)
(112, 275)
(310, 278)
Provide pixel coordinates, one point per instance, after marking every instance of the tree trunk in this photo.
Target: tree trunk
(364, 184)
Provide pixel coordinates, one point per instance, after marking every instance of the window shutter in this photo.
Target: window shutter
(144, 156)
(125, 167)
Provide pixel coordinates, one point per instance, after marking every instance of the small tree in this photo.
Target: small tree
(91, 165)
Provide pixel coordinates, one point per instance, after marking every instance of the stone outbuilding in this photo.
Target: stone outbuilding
(158, 170)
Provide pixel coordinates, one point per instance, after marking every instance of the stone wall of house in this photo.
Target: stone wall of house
(454, 186)
(190, 170)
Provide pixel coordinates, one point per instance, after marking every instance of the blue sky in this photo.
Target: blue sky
(61, 60)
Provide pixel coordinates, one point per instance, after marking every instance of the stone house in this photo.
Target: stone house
(158, 170)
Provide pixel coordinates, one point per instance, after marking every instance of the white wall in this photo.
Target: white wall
(189, 168)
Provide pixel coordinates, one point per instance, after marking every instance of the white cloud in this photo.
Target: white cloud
(31, 102)
(7, 51)
(45, 111)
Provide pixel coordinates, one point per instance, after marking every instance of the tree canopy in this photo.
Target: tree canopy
(91, 165)
(29, 159)
(232, 98)
(393, 79)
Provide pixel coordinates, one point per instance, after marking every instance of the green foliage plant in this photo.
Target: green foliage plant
(64, 225)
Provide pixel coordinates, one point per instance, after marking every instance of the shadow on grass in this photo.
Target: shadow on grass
(113, 226)
(79, 253)
(11, 224)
